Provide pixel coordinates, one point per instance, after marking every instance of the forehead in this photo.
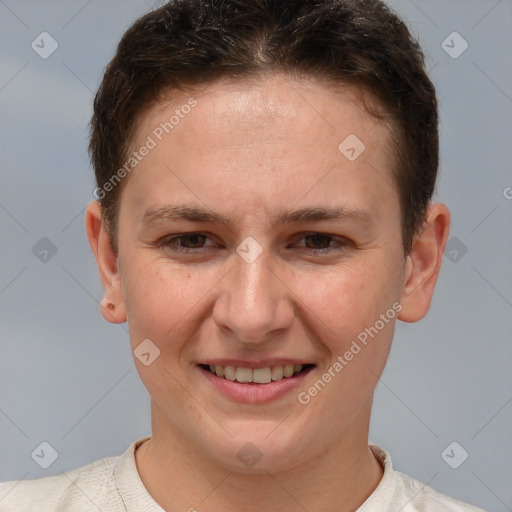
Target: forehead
(261, 139)
(251, 103)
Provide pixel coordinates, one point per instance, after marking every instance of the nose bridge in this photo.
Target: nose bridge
(256, 284)
(253, 301)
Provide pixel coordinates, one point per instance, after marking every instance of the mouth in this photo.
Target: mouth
(261, 375)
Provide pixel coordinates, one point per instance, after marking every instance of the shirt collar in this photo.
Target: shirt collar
(136, 498)
(381, 498)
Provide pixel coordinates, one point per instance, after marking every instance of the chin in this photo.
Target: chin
(260, 451)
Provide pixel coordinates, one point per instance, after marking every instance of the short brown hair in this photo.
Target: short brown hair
(187, 43)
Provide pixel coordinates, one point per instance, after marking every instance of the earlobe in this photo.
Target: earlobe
(423, 264)
(112, 305)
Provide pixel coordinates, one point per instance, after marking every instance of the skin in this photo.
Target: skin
(250, 151)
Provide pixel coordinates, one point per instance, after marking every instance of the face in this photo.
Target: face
(257, 239)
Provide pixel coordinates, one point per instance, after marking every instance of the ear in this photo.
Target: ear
(424, 264)
(112, 305)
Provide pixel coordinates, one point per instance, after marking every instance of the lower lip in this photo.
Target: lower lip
(253, 392)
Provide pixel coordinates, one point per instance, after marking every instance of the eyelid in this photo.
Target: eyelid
(167, 239)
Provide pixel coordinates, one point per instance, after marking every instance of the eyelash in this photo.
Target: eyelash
(167, 242)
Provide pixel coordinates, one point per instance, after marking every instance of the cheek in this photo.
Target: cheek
(346, 315)
(349, 298)
(158, 298)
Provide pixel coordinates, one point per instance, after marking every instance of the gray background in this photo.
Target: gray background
(67, 377)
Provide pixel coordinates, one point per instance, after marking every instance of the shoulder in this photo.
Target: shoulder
(422, 498)
(88, 486)
(398, 491)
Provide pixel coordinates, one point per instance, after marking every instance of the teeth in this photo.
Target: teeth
(261, 375)
(288, 370)
(229, 373)
(277, 373)
(243, 375)
(258, 375)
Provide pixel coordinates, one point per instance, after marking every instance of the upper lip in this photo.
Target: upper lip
(252, 364)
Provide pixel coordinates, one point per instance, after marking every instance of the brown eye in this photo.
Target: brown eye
(321, 243)
(189, 242)
(318, 241)
(194, 241)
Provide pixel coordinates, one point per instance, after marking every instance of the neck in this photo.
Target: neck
(179, 478)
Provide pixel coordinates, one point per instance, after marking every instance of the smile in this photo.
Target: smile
(262, 375)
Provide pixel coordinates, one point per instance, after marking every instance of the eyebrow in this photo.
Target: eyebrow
(176, 212)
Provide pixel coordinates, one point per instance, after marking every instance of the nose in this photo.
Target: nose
(254, 303)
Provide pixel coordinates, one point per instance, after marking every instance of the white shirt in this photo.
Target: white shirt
(113, 485)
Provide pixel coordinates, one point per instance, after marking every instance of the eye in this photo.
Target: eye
(189, 242)
(322, 243)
